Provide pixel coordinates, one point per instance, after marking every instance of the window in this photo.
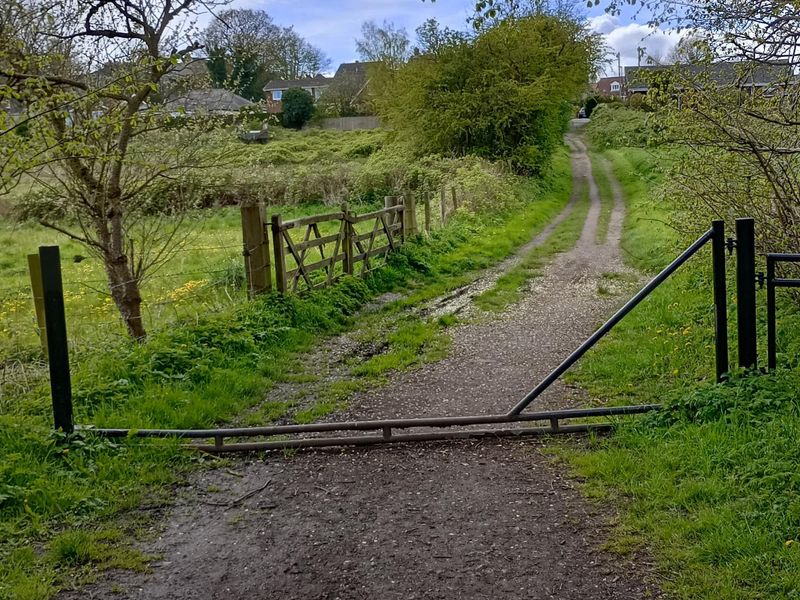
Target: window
(614, 86)
(276, 94)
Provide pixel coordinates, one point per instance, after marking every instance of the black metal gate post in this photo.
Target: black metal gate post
(56, 327)
(772, 352)
(746, 292)
(720, 299)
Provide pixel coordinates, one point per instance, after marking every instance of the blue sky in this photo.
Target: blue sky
(333, 25)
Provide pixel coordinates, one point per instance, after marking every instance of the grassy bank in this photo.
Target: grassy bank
(67, 507)
(709, 485)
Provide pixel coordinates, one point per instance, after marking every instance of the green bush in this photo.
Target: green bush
(617, 126)
(298, 107)
(505, 96)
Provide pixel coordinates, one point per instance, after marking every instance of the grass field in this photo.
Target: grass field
(709, 486)
(69, 508)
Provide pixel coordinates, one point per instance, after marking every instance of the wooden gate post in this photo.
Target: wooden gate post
(443, 204)
(428, 213)
(409, 214)
(280, 253)
(58, 349)
(256, 251)
(35, 271)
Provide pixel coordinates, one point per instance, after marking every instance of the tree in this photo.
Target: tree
(741, 142)
(297, 58)
(690, 49)
(431, 38)
(246, 49)
(383, 43)
(505, 95)
(242, 46)
(90, 76)
(298, 107)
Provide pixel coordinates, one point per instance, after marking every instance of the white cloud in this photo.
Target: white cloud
(627, 38)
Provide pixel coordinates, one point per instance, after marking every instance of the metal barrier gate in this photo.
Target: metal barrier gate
(459, 427)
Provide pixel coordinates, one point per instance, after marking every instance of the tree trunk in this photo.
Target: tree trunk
(125, 292)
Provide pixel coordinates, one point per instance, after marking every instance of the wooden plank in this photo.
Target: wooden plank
(315, 266)
(387, 232)
(313, 219)
(373, 252)
(35, 270)
(318, 241)
(365, 236)
(299, 259)
(344, 224)
(375, 214)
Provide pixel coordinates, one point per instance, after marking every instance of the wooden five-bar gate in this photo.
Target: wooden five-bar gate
(331, 245)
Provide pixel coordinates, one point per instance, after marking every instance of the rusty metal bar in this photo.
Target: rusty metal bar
(608, 325)
(372, 440)
(572, 413)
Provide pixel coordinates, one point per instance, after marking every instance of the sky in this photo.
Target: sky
(333, 25)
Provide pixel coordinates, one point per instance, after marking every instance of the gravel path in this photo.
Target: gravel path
(488, 519)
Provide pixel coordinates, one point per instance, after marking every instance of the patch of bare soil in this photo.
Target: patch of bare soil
(487, 519)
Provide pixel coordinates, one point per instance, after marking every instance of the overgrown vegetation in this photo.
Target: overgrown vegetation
(504, 95)
(708, 485)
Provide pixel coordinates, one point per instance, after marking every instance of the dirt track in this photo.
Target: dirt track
(489, 519)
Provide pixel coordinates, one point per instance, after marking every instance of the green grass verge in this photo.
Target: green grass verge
(709, 485)
(208, 370)
(606, 197)
(509, 288)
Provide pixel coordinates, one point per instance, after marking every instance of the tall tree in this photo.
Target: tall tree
(90, 75)
(242, 46)
(383, 43)
(296, 58)
(246, 49)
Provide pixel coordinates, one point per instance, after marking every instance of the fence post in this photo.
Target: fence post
(746, 292)
(256, 251)
(427, 213)
(35, 271)
(455, 197)
(443, 204)
(57, 347)
(410, 214)
(720, 299)
(348, 236)
(772, 350)
(280, 258)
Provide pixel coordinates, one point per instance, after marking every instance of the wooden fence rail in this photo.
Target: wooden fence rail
(313, 252)
(332, 245)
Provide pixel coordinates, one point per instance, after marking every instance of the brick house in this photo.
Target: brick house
(610, 87)
(273, 90)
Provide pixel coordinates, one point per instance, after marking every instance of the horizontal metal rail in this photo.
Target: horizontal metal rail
(786, 283)
(372, 440)
(773, 282)
(783, 257)
(608, 325)
(554, 416)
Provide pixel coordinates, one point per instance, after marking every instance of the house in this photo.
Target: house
(213, 101)
(273, 91)
(347, 94)
(610, 87)
(745, 76)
